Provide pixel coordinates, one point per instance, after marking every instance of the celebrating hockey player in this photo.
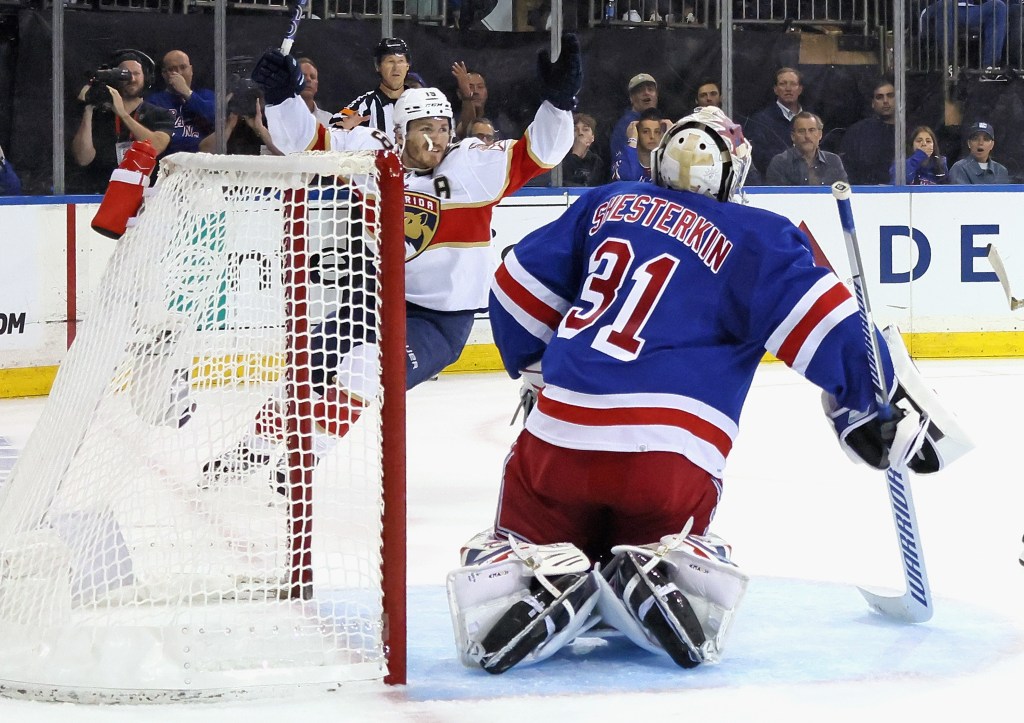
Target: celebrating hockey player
(650, 307)
(451, 191)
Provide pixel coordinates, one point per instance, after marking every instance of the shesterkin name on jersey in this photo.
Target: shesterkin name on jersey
(670, 218)
(422, 214)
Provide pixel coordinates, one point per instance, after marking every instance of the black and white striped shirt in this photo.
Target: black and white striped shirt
(379, 107)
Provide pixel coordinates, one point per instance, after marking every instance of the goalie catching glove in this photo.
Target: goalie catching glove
(923, 433)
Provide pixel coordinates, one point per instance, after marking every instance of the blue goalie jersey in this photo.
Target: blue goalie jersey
(650, 310)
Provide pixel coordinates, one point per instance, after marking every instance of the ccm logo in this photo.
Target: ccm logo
(12, 323)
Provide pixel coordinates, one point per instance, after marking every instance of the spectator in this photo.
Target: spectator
(483, 130)
(312, 76)
(805, 164)
(979, 168)
(10, 184)
(114, 117)
(643, 94)
(769, 129)
(709, 94)
(925, 166)
(193, 110)
(867, 147)
(391, 59)
(642, 136)
(583, 167)
(472, 91)
(988, 18)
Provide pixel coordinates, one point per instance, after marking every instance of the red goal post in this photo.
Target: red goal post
(127, 571)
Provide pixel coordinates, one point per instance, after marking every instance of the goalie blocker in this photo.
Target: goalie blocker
(513, 603)
(939, 441)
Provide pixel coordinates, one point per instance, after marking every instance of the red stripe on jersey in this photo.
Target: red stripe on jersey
(824, 305)
(637, 416)
(466, 226)
(523, 167)
(525, 300)
(320, 141)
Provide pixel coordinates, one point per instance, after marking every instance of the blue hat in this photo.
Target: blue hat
(982, 127)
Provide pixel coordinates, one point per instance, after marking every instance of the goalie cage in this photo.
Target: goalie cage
(128, 576)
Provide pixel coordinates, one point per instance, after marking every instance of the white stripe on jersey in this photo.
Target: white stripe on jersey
(537, 292)
(795, 328)
(810, 346)
(645, 431)
(531, 325)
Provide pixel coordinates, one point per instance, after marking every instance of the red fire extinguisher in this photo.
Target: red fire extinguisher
(123, 198)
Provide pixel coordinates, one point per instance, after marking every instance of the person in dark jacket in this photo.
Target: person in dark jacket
(867, 147)
(769, 128)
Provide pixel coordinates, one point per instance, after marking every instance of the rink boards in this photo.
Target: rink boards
(924, 253)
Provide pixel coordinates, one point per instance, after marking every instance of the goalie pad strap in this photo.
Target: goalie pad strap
(518, 604)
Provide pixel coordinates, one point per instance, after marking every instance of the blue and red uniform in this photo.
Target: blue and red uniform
(650, 310)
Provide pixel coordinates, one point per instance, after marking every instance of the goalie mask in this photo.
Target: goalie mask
(416, 103)
(706, 153)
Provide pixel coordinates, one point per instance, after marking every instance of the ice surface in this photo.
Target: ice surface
(804, 522)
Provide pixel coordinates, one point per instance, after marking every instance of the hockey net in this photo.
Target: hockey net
(129, 572)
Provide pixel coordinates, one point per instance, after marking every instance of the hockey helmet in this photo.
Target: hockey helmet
(416, 103)
(704, 152)
(390, 46)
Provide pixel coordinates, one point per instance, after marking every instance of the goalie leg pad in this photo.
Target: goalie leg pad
(540, 624)
(656, 603)
(699, 567)
(518, 604)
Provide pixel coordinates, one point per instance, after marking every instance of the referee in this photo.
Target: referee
(391, 59)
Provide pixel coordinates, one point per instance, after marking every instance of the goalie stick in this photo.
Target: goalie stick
(997, 265)
(915, 605)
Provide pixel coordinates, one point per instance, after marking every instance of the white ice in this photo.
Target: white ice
(805, 522)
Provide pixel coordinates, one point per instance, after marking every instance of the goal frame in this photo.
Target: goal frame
(36, 558)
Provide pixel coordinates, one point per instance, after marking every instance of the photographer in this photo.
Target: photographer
(114, 115)
(250, 136)
(193, 109)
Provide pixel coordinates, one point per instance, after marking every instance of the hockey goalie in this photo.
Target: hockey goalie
(640, 317)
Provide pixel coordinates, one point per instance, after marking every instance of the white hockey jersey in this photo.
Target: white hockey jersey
(448, 210)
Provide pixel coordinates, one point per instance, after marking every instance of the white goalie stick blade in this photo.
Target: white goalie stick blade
(997, 265)
(915, 605)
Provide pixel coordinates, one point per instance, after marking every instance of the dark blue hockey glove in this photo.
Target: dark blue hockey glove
(561, 81)
(279, 76)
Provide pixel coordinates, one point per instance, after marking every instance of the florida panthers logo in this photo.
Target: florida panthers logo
(421, 217)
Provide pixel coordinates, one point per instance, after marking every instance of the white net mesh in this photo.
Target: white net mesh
(151, 544)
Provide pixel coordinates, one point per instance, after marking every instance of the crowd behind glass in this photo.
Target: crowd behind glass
(979, 41)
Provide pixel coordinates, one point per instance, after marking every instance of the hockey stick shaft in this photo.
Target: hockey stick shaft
(1004, 279)
(915, 604)
(841, 192)
(293, 26)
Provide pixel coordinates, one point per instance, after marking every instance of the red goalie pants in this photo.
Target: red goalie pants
(596, 499)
